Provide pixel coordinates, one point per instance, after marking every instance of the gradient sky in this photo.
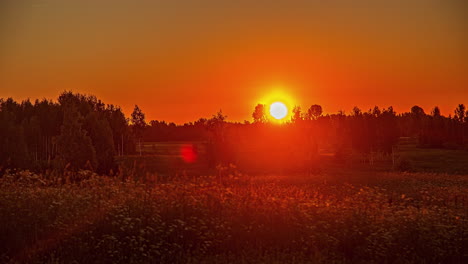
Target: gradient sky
(181, 60)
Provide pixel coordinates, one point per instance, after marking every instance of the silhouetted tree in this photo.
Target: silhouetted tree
(217, 146)
(388, 131)
(376, 111)
(13, 148)
(74, 146)
(120, 130)
(460, 113)
(314, 112)
(357, 111)
(99, 131)
(216, 123)
(138, 124)
(417, 111)
(259, 115)
(433, 130)
(297, 115)
(417, 119)
(97, 120)
(461, 116)
(435, 112)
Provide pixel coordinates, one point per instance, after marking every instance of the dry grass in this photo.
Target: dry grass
(234, 218)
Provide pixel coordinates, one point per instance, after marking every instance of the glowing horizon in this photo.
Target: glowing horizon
(183, 60)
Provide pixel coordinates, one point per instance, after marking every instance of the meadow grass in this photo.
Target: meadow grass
(235, 218)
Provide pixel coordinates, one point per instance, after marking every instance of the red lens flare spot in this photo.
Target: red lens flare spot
(189, 153)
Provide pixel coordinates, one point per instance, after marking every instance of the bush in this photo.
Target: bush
(404, 164)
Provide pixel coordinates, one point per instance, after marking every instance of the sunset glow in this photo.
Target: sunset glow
(332, 53)
(279, 101)
(204, 131)
(278, 110)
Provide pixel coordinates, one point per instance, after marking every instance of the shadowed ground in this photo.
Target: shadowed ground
(235, 218)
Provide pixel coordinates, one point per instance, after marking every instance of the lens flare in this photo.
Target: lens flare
(188, 153)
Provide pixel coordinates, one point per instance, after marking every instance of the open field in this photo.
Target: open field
(165, 158)
(452, 161)
(235, 218)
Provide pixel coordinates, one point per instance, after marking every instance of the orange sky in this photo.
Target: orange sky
(181, 60)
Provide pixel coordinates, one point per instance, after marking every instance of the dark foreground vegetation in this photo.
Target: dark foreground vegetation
(234, 218)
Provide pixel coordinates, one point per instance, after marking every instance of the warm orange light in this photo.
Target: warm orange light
(188, 153)
(279, 104)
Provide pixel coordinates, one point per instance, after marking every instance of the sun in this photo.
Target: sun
(278, 103)
(278, 110)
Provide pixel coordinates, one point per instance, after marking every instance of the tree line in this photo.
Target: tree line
(80, 131)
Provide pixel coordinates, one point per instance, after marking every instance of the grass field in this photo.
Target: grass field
(165, 158)
(451, 161)
(234, 218)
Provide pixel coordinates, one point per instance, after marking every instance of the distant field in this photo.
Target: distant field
(172, 148)
(434, 160)
(235, 218)
(167, 158)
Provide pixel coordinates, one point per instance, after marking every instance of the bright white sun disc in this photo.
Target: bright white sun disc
(278, 110)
